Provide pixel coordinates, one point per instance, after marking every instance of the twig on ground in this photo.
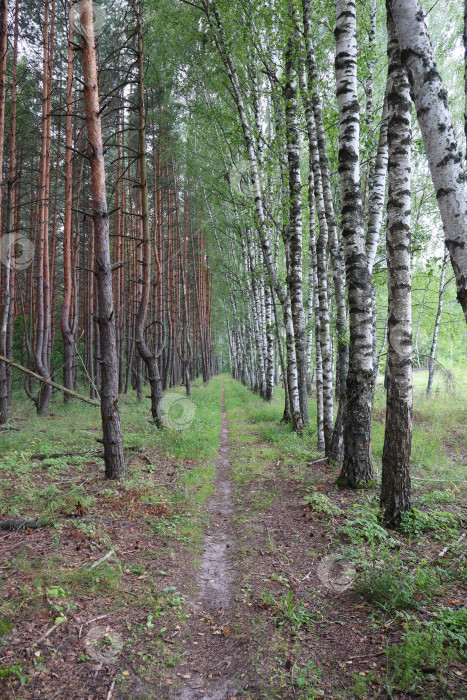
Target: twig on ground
(448, 547)
(315, 461)
(102, 560)
(49, 632)
(18, 523)
(112, 686)
(94, 619)
(366, 656)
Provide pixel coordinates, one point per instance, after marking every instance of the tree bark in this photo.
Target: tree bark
(68, 332)
(6, 257)
(395, 486)
(444, 157)
(431, 359)
(115, 467)
(294, 228)
(149, 357)
(357, 470)
(214, 18)
(335, 448)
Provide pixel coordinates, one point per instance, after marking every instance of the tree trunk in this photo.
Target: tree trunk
(215, 21)
(69, 350)
(149, 357)
(115, 467)
(444, 157)
(335, 448)
(294, 229)
(431, 359)
(395, 486)
(6, 254)
(357, 470)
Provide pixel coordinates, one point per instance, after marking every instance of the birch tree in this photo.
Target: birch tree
(357, 470)
(444, 157)
(395, 487)
(434, 343)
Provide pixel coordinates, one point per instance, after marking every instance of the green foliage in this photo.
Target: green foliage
(450, 625)
(287, 610)
(320, 503)
(392, 586)
(416, 522)
(450, 495)
(422, 651)
(5, 627)
(363, 527)
(14, 671)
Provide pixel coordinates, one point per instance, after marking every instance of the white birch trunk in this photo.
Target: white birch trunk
(395, 486)
(444, 156)
(357, 468)
(431, 359)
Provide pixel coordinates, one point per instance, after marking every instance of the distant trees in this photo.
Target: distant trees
(114, 277)
(276, 84)
(241, 212)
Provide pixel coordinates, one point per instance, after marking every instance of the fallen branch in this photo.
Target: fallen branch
(366, 656)
(18, 523)
(101, 561)
(49, 632)
(315, 461)
(111, 690)
(30, 373)
(57, 455)
(94, 619)
(448, 547)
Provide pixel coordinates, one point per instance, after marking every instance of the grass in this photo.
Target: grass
(398, 575)
(161, 504)
(171, 474)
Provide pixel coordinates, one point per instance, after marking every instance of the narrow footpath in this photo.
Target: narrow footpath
(216, 591)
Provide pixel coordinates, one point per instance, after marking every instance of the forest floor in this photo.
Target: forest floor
(228, 565)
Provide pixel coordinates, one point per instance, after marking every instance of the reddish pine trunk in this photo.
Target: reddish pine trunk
(113, 446)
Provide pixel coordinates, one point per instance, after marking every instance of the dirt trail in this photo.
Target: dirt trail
(216, 590)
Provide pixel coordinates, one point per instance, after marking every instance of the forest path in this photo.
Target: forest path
(207, 679)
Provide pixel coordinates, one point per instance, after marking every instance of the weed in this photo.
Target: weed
(305, 678)
(363, 527)
(14, 671)
(451, 626)
(320, 503)
(288, 611)
(5, 627)
(389, 583)
(416, 522)
(419, 653)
